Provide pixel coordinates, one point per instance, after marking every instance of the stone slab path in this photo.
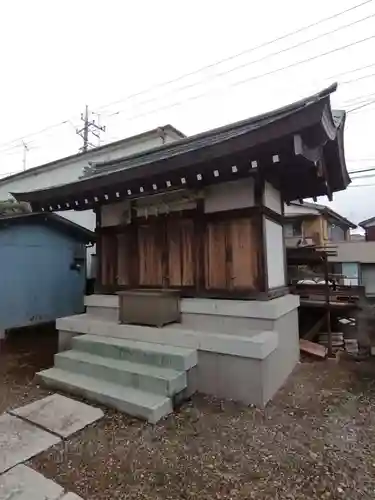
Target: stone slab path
(20, 441)
(24, 483)
(58, 414)
(22, 436)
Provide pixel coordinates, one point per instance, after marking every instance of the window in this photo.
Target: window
(293, 228)
(335, 233)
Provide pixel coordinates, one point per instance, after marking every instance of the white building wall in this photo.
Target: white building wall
(70, 169)
(354, 251)
(217, 198)
(275, 254)
(272, 198)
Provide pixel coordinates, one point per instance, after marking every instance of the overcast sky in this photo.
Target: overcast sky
(58, 56)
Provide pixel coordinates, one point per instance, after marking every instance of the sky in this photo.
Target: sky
(116, 57)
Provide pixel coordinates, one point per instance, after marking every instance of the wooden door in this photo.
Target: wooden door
(124, 261)
(242, 266)
(231, 255)
(180, 251)
(216, 274)
(108, 259)
(150, 252)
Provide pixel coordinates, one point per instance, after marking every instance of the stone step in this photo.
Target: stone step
(256, 344)
(154, 379)
(141, 404)
(178, 358)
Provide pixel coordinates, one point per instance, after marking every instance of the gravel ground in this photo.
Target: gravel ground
(315, 440)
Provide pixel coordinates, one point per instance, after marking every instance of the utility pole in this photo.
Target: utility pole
(89, 127)
(86, 130)
(25, 151)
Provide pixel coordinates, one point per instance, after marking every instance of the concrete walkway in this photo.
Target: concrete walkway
(29, 430)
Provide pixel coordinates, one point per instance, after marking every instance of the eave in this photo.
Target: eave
(298, 148)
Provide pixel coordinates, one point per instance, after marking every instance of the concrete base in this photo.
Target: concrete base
(231, 317)
(251, 380)
(246, 349)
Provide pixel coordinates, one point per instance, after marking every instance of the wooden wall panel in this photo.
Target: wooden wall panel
(187, 244)
(108, 243)
(231, 255)
(123, 259)
(205, 253)
(180, 244)
(150, 251)
(243, 266)
(174, 253)
(216, 255)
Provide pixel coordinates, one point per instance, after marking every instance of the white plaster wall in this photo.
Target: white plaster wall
(275, 254)
(272, 198)
(229, 196)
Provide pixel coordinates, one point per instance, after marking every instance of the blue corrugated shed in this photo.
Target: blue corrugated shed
(42, 268)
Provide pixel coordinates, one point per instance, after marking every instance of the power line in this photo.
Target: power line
(255, 77)
(370, 169)
(235, 56)
(337, 75)
(361, 159)
(366, 176)
(20, 139)
(357, 100)
(363, 77)
(362, 106)
(203, 68)
(255, 61)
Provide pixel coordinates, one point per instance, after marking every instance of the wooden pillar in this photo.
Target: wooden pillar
(328, 305)
(98, 263)
(261, 233)
(199, 250)
(133, 249)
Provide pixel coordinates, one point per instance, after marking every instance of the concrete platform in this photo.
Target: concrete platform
(24, 483)
(20, 441)
(246, 349)
(58, 414)
(107, 307)
(252, 343)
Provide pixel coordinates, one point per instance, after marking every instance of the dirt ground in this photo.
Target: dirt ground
(24, 353)
(316, 440)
